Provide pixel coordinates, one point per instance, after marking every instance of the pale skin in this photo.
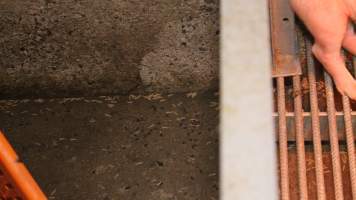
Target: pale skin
(329, 21)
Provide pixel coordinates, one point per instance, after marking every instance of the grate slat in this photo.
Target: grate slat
(298, 110)
(315, 124)
(350, 139)
(350, 143)
(334, 140)
(283, 142)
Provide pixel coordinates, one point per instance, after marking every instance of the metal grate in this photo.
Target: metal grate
(315, 132)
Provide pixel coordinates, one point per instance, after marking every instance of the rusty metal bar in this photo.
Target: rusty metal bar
(315, 124)
(284, 43)
(350, 141)
(334, 141)
(283, 145)
(323, 121)
(298, 110)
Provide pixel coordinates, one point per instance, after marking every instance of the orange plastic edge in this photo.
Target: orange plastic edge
(18, 173)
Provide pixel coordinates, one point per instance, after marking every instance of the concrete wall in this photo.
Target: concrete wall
(248, 160)
(95, 47)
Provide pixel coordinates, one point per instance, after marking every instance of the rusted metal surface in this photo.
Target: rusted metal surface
(285, 59)
(283, 145)
(329, 185)
(334, 141)
(298, 110)
(320, 182)
(350, 143)
(319, 125)
(350, 140)
(324, 130)
(324, 124)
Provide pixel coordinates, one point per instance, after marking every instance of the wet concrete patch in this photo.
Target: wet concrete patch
(56, 48)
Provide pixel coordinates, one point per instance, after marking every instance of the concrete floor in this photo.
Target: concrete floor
(125, 147)
(58, 48)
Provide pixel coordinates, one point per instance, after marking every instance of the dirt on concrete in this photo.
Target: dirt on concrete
(61, 48)
(153, 147)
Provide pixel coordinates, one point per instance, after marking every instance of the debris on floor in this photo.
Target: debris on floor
(123, 147)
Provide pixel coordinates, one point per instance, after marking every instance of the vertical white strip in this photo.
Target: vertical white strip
(248, 149)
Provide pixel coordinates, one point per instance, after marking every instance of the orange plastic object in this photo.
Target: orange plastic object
(16, 183)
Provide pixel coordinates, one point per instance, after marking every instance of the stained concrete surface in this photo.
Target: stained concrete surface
(94, 47)
(153, 147)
